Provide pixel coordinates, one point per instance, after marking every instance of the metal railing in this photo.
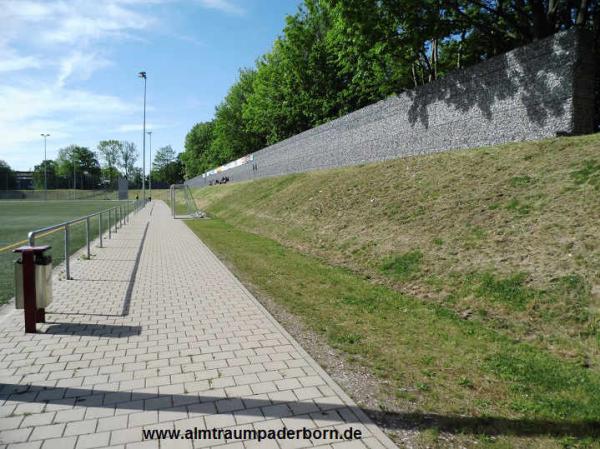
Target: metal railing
(117, 217)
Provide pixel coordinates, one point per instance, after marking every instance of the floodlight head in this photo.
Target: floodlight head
(142, 75)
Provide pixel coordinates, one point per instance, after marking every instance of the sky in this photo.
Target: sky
(69, 68)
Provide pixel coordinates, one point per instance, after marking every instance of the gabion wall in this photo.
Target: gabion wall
(542, 90)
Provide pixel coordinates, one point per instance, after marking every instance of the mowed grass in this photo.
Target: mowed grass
(502, 242)
(481, 386)
(506, 236)
(17, 218)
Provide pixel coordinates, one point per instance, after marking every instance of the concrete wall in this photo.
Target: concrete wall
(530, 93)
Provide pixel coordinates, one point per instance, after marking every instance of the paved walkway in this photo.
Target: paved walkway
(155, 333)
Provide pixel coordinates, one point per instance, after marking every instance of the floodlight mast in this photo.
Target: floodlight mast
(150, 159)
(143, 75)
(45, 136)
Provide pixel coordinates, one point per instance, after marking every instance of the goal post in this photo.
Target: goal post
(183, 203)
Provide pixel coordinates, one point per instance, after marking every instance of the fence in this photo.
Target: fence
(54, 195)
(117, 217)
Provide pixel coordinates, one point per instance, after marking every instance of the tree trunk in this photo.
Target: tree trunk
(582, 13)
(540, 24)
(414, 75)
(434, 57)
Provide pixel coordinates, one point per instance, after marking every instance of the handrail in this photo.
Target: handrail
(122, 210)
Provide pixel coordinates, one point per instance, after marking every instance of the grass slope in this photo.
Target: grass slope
(507, 235)
(442, 372)
(469, 280)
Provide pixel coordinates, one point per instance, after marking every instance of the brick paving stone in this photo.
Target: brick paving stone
(28, 445)
(193, 349)
(60, 443)
(47, 432)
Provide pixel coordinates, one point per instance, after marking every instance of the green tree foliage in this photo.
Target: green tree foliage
(336, 56)
(110, 150)
(167, 167)
(196, 157)
(78, 167)
(46, 170)
(297, 85)
(231, 136)
(8, 180)
(127, 157)
(135, 178)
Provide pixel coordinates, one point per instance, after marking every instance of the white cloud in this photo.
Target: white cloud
(76, 22)
(12, 61)
(223, 6)
(80, 66)
(35, 96)
(68, 115)
(29, 103)
(18, 63)
(95, 21)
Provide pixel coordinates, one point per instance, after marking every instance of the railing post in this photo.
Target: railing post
(100, 228)
(67, 251)
(87, 236)
(109, 228)
(116, 220)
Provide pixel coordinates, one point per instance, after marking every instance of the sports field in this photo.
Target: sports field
(17, 218)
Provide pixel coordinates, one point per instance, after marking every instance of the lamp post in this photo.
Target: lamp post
(143, 75)
(150, 172)
(74, 179)
(45, 136)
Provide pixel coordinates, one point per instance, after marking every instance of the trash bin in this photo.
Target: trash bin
(43, 282)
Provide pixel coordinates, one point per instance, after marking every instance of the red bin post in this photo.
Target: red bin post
(32, 314)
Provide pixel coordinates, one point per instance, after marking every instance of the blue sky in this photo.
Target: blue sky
(69, 68)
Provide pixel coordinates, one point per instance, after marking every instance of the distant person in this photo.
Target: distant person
(137, 197)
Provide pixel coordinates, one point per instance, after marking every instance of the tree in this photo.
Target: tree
(297, 83)
(136, 177)
(231, 136)
(46, 171)
(336, 56)
(127, 157)
(197, 147)
(8, 179)
(110, 151)
(163, 157)
(167, 166)
(78, 166)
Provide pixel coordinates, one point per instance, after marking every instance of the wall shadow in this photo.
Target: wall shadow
(206, 403)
